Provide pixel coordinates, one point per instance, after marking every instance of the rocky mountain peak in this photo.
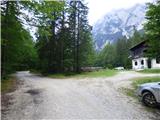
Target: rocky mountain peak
(118, 23)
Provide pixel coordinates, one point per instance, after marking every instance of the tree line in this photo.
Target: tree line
(68, 45)
(64, 40)
(117, 54)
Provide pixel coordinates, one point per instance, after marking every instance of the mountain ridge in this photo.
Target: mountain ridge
(118, 23)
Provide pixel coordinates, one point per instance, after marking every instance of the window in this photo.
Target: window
(158, 61)
(142, 62)
(135, 63)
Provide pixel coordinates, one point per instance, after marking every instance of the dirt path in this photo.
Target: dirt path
(89, 98)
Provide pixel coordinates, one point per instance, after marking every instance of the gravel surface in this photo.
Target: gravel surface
(41, 98)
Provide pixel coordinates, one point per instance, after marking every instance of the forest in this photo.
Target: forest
(64, 40)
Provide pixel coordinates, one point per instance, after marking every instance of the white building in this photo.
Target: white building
(139, 61)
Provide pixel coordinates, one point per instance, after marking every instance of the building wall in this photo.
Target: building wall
(154, 64)
(137, 63)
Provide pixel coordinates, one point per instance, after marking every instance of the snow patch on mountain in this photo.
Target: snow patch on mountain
(118, 23)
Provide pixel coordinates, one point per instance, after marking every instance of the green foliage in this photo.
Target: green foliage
(117, 54)
(87, 52)
(122, 53)
(65, 42)
(107, 56)
(136, 38)
(17, 47)
(83, 51)
(28, 54)
(152, 29)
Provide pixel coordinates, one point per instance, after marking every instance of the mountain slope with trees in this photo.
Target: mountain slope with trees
(116, 54)
(118, 23)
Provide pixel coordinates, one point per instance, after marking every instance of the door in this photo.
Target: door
(149, 63)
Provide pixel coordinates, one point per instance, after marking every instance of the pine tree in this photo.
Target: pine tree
(17, 45)
(81, 34)
(137, 37)
(152, 30)
(48, 43)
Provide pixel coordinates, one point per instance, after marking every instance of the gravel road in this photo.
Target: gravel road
(41, 98)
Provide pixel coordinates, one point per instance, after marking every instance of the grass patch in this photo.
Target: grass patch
(8, 85)
(100, 73)
(129, 91)
(138, 81)
(150, 71)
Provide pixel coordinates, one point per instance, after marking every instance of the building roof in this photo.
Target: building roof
(138, 45)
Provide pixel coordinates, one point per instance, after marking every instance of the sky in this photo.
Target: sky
(98, 8)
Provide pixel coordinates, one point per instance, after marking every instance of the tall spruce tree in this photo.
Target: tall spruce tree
(152, 30)
(47, 40)
(17, 47)
(81, 35)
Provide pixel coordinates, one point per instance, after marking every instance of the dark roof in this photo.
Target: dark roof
(138, 45)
